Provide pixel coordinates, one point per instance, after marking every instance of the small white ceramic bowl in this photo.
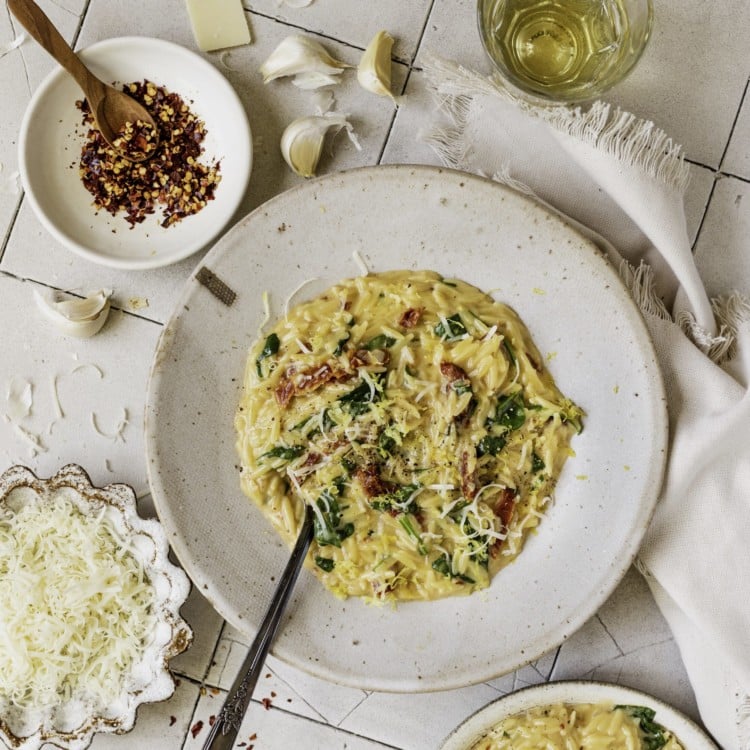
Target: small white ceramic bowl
(52, 136)
(689, 734)
(72, 723)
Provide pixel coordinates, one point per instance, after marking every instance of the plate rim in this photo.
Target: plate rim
(64, 238)
(573, 691)
(566, 629)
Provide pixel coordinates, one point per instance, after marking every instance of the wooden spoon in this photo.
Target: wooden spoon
(123, 122)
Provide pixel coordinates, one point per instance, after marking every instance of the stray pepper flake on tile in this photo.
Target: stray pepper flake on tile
(173, 180)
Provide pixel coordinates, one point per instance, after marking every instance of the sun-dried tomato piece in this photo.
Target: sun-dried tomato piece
(411, 317)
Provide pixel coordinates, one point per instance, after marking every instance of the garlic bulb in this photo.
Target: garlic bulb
(304, 58)
(81, 318)
(302, 141)
(374, 71)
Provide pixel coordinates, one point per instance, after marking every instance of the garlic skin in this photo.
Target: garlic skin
(374, 70)
(80, 318)
(304, 58)
(302, 141)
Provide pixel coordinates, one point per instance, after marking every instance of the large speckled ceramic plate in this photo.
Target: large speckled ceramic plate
(689, 734)
(580, 316)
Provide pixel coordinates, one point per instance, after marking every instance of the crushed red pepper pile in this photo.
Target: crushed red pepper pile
(172, 179)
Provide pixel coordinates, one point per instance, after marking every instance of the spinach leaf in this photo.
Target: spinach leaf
(326, 526)
(461, 387)
(408, 526)
(442, 565)
(654, 734)
(452, 329)
(490, 445)
(509, 350)
(270, 348)
(341, 344)
(379, 342)
(395, 500)
(386, 444)
(285, 452)
(537, 464)
(510, 412)
(325, 563)
(358, 400)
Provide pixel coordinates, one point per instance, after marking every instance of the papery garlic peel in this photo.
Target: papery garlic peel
(302, 56)
(81, 318)
(302, 141)
(374, 70)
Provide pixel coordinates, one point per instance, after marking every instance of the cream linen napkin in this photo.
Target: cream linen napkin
(624, 179)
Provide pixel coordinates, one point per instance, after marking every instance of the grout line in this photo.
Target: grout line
(409, 71)
(554, 663)
(698, 232)
(734, 124)
(427, 17)
(321, 722)
(14, 217)
(735, 176)
(11, 225)
(28, 280)
(82, 20)
(303, 29)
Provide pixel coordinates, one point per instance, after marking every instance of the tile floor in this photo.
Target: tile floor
(692, 82)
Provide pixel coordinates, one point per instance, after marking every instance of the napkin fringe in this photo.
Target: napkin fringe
(632, 141)
(731, 311)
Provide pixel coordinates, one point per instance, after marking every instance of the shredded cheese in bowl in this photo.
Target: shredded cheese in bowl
(88, 609)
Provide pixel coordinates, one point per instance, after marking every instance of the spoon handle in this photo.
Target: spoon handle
(224, 731)
(35, 21)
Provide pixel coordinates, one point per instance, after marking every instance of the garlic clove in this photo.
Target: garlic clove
(374, 70)
(81, 318)
(302, 141)
(313, 80)
(300, 55)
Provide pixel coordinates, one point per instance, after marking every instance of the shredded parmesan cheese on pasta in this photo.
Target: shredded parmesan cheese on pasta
(415, 416)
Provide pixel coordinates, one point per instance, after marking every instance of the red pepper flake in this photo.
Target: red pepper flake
(173, 180)
(172, 720)
(273, 695)
(196, 728)
(253, 736)
(266, 703)
(211, 720)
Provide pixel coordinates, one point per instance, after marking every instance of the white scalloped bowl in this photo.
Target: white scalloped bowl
(72, 723)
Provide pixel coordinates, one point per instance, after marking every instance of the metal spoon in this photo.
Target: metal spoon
(224, 731)
(113, 111)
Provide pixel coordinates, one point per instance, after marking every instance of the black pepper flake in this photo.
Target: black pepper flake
(173, 180)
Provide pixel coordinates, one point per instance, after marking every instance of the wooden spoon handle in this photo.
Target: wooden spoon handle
(34, 20)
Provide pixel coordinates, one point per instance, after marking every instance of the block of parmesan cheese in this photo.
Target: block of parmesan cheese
(218, 24)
